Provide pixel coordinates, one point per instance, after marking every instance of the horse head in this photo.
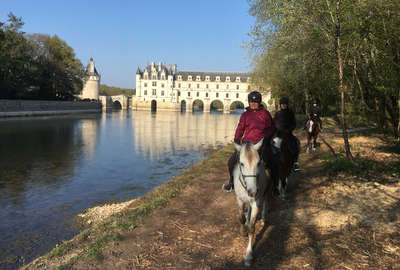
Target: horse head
(249, 165)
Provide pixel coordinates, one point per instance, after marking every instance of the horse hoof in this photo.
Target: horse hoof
(248, 262)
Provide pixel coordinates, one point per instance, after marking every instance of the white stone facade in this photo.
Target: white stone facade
(164, 88)
(91, 82)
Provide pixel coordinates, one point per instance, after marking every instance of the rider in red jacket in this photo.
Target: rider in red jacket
(254, 124)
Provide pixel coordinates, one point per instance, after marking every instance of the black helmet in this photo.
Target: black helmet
(254, 96)
(284, 100)
(314, 101)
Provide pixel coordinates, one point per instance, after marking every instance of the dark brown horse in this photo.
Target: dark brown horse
(286, 160)
(312, 131)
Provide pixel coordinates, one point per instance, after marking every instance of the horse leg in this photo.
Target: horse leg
(242, 218)
(251, 230)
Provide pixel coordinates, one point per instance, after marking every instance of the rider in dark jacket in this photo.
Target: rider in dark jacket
(285, 123)
(315, 111)
(254, 124)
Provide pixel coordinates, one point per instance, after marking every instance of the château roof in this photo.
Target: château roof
(91, 69)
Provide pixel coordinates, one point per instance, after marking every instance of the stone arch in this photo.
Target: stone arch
(116, 105)
(216, 105)
(183, 106)
(198, 105)
(236, 107)
(153, 105)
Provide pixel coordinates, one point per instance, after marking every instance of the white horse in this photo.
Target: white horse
(253, 188)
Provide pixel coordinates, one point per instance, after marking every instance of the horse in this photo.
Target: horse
(286, 160)
(312, 131)
(253, 188)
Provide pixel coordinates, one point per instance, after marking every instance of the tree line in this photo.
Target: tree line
(36, 66)
(344, 53)
(112, 90)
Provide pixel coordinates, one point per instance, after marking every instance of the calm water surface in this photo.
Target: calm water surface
(52, 168)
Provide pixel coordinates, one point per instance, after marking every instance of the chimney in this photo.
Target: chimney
(174, 69)
(159, 66)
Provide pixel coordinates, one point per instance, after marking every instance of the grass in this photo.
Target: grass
(360, 167)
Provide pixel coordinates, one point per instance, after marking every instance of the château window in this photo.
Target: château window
(228, 79)
(154, 77)
(237, 95)
(198, 86)
(197, 78)
(197, 94)
(145, 84)
(146, 77)
(189, 85)
(217, 86)
(189, 78)
(179, 85)
(207, 78)
(162, 85)
(217, 94)
(237, 79)
(162, 77)
(179, 77)
(179, 93)
(227, 95)
(207, 86)
(145, 92)
(206, 94)
(154, 92)
(217, 78)
(237, 87)
(154, 83)
(162, 92)
(188, 94)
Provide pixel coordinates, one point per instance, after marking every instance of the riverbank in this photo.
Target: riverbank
(336, 217)
(15, 108)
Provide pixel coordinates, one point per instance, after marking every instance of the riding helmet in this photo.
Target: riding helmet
(254, 96)
(314, 101)
(284, 100)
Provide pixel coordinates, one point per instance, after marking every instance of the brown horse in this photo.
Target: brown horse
(286, 160)
(312, 131)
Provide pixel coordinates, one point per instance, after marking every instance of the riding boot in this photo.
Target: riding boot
(231, 164)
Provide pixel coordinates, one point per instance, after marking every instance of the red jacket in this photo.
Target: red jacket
(254, 125)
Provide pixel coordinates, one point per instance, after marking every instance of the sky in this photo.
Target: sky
(207, 35)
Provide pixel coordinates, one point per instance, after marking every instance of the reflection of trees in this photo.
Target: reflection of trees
(38, 153)
(159, 133)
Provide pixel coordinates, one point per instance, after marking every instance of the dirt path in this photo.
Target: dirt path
(324, 224)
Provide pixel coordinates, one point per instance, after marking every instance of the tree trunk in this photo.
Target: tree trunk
(341, 88)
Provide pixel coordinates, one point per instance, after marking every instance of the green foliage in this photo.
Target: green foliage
(296, 53)
(360, 166)
(36, 66)
(57, 251)
(111, 91)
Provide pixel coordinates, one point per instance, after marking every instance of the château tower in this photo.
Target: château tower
(91, 82)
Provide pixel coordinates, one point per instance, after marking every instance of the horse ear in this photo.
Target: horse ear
(258, 145)
(237, 146)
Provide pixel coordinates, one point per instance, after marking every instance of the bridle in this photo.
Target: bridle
(242, 177)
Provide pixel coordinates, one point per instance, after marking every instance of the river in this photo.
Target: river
(52, 168)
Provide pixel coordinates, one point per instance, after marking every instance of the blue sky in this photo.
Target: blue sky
(122, 35)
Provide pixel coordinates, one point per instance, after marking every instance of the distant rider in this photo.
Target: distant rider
(254, 124)
(285, 123)
(315, 112)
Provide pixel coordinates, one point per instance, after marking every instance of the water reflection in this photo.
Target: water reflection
(160, 133)
(53, 168)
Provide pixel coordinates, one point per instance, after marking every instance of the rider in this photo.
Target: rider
(254, 124)
(285, 123)
(315, 111)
